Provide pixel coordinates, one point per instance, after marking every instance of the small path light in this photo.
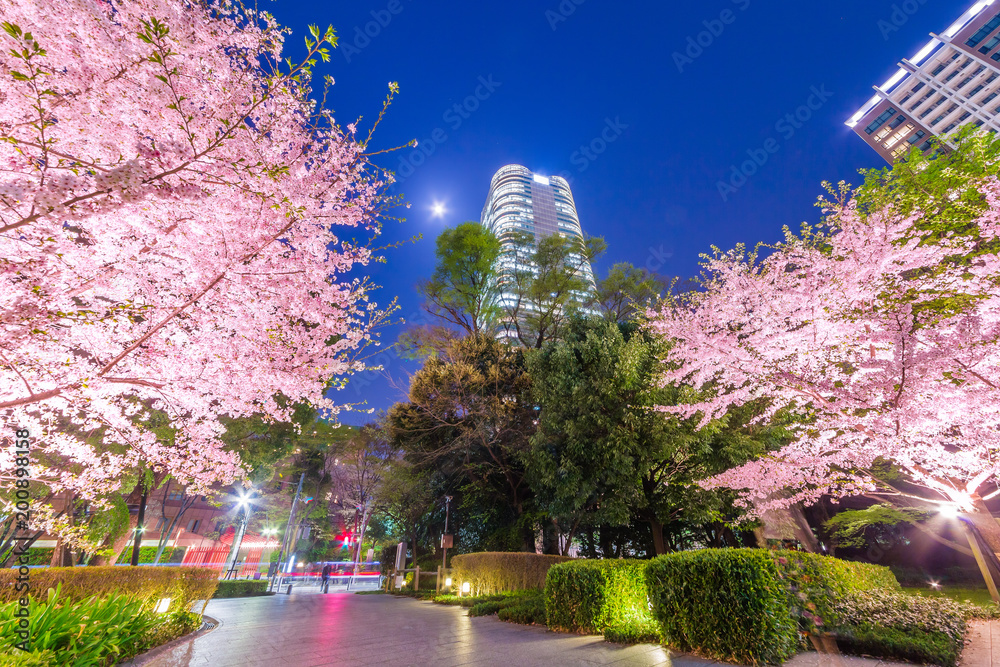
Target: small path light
(162, 606)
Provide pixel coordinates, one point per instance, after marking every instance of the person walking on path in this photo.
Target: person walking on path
(326, 575)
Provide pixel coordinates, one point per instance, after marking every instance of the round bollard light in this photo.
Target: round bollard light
(466, 587)
(447, 582)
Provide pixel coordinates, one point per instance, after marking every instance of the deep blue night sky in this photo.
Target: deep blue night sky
(560, 78)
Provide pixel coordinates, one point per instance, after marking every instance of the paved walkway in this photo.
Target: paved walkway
(983, 649)
(348, 629)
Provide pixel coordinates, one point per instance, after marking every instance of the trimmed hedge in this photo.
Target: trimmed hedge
(752, 605)
(241, 588)
(726, 603)
(815, 582)
(593, 595)
(490, 573)
(183, 585)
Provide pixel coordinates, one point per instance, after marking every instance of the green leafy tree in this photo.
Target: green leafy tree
(604, 456)
(548, 282)
(627, 291)
(469, 417)
(462, 290)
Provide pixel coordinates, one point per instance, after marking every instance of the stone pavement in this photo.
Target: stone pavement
(983, 648)
(348, 629)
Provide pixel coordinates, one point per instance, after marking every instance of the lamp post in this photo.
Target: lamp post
(444, 547)
(288, 528)
(244, 503)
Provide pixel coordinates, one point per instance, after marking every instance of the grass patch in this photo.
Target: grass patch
(977, 596)
(241, 588)
(933, 648)
(529, 610)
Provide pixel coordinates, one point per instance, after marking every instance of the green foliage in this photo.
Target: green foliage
(529, 610)
(170, 554)
(490, 573)
(86, 632)
(183, 585)
(750, 605)
(594, 595)
(642, 629)
(858, 528)
(18, 658)
(814, 583)
(900, 626)
(729, 604)
(627, 291)
(463, 288)
(241, 588)
(932, 648)
(548, 285)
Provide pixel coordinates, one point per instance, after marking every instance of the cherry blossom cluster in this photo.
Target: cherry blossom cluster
(881, 339)
(171, 205)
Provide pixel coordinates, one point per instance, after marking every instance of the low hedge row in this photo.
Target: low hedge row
(183, 585)
(750, 605)
(489, 573)
(726, 603)
(241, 588)
(593, 595)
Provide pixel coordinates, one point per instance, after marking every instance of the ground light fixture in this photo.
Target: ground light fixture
(447, 582)
(162, 606)
(466, 587)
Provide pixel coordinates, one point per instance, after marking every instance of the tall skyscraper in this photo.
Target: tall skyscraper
(522, 201)
(952, 81)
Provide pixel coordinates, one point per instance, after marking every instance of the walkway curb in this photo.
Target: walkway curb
(153, 654)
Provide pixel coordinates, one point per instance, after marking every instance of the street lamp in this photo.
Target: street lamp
(244, 503)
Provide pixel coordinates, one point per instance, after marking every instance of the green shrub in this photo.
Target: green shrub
(530, 610)
(637, 631)
(448, 599)
(498, 572)
(39, 556)
(183, 585)
(815, 582)
(83, 633)
(147, 554)
(726, 603)
(488, 608)
(592, 595)
(904, 627)
(19, 658)
(241, 588)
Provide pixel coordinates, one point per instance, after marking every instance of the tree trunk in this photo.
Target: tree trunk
(116, 546)
(803, 532)
(658, 545)
(528, 539)
(983, 533)
(62, 555)
(550, 538)
(140, 525)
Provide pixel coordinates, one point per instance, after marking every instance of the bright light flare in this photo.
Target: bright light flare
(949, 511)
(438, 210)
(934, 584)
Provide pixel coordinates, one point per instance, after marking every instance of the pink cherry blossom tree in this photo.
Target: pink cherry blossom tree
(886, 346)
(172, 205)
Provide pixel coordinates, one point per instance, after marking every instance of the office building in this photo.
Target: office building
(522, 201)
(954, 80)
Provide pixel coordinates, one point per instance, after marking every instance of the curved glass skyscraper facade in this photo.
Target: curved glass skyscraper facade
(522, 201)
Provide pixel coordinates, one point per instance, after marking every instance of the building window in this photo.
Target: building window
(949, 128)
(995, 56)
(916, 137)
(974, 91)
(193, 524)
(988, 46)
(984, 32)
(159, 525)
(938, 70)
(175, 495)
(880, 121)
(963, 117)
(989, 98)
